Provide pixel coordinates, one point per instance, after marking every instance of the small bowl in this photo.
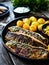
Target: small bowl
(21, 13)
(6, 13)
(44, 26)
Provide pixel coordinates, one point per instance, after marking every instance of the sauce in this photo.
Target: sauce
(21, 10)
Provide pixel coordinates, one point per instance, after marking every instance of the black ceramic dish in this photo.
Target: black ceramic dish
(5, 13)
(6, 30)
(44, 26)
(21, 14)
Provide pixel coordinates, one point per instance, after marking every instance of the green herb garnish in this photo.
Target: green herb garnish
(14, 44)
(30, 54)
(31, 49)
(16, 29)
(25, 45)
(28, 33)
(25, 38)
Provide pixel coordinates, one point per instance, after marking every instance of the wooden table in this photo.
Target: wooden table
(7, 58)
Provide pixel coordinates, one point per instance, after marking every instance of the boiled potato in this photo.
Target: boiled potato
(40, 27)
(33, 19)
(35, 23)
(26, 20)
(46, 30)
(41, 20)
(19, 23)
(26, 26)
(33, 28)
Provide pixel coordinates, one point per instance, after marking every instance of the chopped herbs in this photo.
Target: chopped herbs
(30, 54)
(29, 33)
(15, 29)
(31, 49)
(14, 43)
(25, 38)
(25, 45)
(18, 43)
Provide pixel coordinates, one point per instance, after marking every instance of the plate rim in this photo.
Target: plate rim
(7, 12)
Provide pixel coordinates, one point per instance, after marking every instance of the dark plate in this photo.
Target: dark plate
(44, 26)
(6, 13)
(6, 30)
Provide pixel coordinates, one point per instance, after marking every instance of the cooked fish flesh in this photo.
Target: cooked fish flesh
(27, 50)
(34, 34)
(24, 38)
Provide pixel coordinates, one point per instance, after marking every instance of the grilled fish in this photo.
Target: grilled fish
(34, 34)
(27, 50)
(24, 38)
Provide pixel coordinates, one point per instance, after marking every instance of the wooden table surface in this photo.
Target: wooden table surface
(5, 58)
